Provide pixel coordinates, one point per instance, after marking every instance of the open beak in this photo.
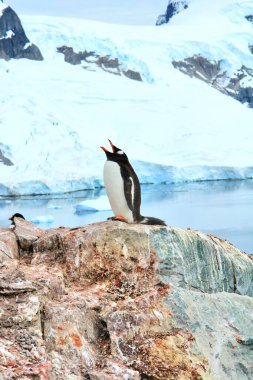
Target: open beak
(104, 149)
(113, 147)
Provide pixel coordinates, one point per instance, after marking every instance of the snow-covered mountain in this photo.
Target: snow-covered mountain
(237, 82)
(55, 115)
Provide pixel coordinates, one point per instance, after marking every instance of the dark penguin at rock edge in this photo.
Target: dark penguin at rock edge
(16, 215)
(123, 189)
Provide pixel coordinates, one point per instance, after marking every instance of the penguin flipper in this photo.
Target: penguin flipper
(132, 190)
(128, 189)
(152, 221)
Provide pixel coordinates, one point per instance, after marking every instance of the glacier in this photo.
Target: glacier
(54, 116)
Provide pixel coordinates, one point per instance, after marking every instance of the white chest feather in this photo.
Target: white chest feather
(114, 186)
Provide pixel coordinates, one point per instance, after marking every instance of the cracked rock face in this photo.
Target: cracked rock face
(117, 301)
(13, 40)
(239, 85)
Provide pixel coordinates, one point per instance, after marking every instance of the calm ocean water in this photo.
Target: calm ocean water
(222, 208)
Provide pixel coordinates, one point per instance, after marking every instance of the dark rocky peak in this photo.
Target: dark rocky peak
(13, 40)
(249, 18)
(173, 8)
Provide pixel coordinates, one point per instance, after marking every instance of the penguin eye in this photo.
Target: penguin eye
(120, 152)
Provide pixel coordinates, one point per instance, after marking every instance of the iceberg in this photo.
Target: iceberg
(93, 205)
(43, 219)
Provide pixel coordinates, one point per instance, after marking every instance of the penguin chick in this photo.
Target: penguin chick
(17, 215)
(123, 188)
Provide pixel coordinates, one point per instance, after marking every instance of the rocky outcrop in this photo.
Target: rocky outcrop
(3, 159)
(8, 247)
(249, 18)
(173, 8)
(92, 61)
(117, 301)
(13, 40)
(239, 85)
(74, 58)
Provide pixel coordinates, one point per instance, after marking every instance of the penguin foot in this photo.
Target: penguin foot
(119, 218)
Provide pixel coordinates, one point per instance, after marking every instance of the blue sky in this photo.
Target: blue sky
(116, 11)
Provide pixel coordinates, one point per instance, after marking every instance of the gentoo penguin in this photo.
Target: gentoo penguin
(123, 188)
(17, 215)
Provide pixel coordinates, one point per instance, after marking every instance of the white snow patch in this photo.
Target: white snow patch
(9, 34)
(27, 45)
(201, 75)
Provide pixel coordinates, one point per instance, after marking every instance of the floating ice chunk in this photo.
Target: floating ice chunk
(81, 208)
(93, 205)
(43, 219)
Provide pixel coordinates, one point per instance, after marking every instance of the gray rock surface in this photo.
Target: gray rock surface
(92, 61)
(117, 301)
(239, 85)
(13, 40)
(8, 247)
(26, 233)
(5, 160)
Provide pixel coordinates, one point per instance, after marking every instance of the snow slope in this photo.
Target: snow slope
(54, 116)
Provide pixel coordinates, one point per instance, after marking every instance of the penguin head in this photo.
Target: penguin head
(116, 155)
(17, 215)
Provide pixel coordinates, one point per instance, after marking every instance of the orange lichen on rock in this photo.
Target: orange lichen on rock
(61, 342)
(76, 340)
